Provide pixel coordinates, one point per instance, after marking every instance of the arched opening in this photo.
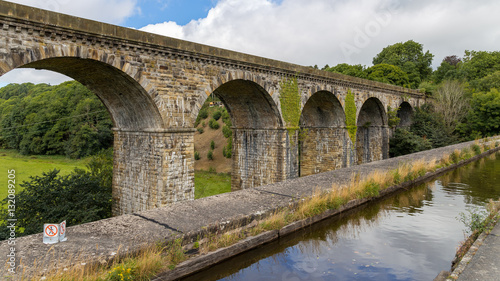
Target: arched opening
(323, 138)
(372, 141)
(255, 137)
(128, 103)
(139, 143)
(405, 115)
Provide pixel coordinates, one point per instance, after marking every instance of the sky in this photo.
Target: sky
(305, 32)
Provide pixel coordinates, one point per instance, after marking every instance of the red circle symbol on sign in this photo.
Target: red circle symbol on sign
(51, 230)
(63, 227)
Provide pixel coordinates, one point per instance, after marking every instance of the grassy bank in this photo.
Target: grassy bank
(26, 166)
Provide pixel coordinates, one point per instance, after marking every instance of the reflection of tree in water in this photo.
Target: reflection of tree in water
(477, 181)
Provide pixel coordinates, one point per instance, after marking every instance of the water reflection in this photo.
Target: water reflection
(412, 235)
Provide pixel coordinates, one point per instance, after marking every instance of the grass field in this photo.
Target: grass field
(34, 165)
(208, 183)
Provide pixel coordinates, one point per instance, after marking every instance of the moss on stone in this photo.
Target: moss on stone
(350, 116)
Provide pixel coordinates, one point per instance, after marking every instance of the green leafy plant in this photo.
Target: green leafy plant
(213, 124)
(290, 104)
(217, 115)
(210, 155)
(212, 145)
(196, 155)
(350, 116)
(120, 273)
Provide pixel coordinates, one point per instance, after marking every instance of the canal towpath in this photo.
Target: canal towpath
(482, 261)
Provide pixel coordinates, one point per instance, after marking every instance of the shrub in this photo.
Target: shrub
(200, 130)
(226, 118)
(455, 157)
(405, 142)
(227, 131)
(476, 148)
(213, 124)
(82, 196)
(203, 113)
(210, 155)
(217, 115)
(196, 155)
(212, 145)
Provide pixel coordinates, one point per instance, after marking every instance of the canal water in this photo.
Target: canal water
(412, 235)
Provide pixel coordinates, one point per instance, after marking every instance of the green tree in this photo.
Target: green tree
(80, 197)
(405, 142)
(351, 70)
(448, 70)
(63, 119)
(389, 74)
(483, 118)
(479, 64)
(491, 81)
(409, 57)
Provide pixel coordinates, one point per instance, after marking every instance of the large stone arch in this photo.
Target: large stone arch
(323, 138)
(143, 176)
(405, 115)
(258, 156)
(121, 87)
(372, 136)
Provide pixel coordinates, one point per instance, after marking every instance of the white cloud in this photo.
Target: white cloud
(109, 11)
(331, 32)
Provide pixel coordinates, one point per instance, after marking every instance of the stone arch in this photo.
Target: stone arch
(372, 140)
(405, 115)
(249, 105)
(323, 136)
(258, 133)
(120, 87)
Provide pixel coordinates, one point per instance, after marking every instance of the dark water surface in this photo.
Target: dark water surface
(412, 235)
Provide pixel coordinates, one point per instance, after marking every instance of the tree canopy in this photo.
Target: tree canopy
(410, 57)
(66, 119)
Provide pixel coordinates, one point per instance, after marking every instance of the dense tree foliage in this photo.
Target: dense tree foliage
(80, 197)
(66, 119)
(389, 74)
(351, 70)
(409, 57)
(405, 141)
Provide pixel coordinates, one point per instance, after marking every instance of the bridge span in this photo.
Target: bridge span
(288, 120)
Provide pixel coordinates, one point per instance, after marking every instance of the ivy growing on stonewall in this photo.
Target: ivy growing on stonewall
(350, 116)
(290, 104)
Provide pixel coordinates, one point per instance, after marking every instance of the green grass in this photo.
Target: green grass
(208, 183)
(33, 165)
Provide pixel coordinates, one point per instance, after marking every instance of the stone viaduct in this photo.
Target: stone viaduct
(154, 86)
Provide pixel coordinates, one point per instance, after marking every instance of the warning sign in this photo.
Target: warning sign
(62, 231)
(50, 233)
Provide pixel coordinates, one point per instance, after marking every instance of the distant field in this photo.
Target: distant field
(208, 184)
(34, 165)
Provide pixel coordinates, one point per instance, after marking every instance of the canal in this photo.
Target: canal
(411, 235)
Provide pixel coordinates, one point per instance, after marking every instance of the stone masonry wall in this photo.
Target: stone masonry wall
(322, 149)
(151, 169)
(259, 157)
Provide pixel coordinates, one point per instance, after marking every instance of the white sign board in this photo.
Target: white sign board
(50, 233)
(62, 232)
